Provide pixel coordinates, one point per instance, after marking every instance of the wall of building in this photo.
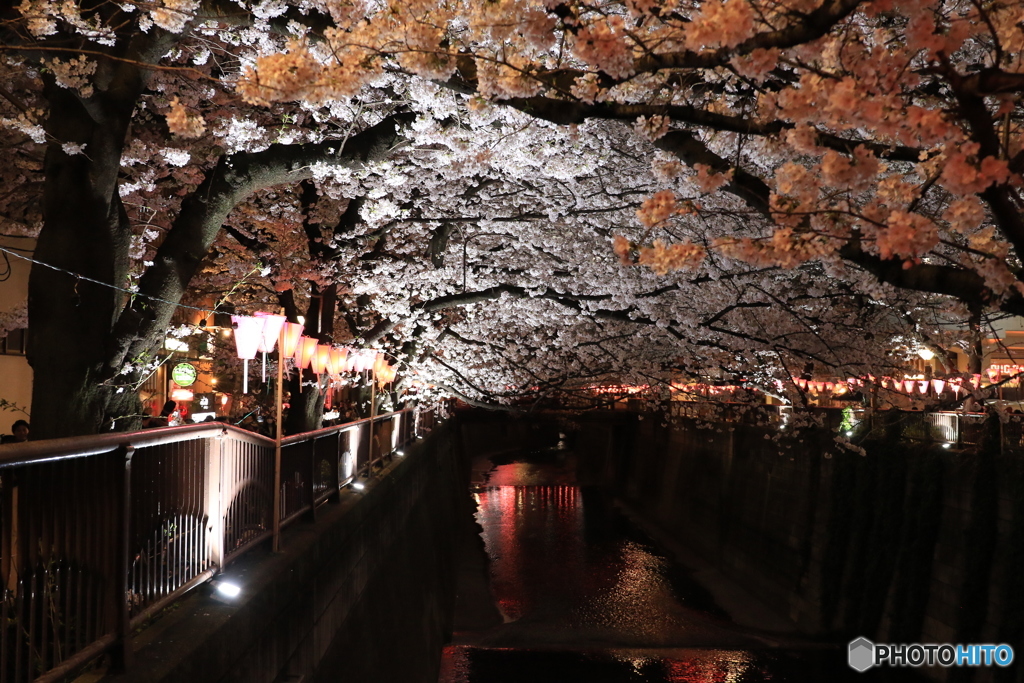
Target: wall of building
(16, 388)
(909, 543)
(15, 373)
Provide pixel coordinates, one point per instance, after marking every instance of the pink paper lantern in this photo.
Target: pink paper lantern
(364, 360)
(272, 325)
(292, 333)
(304, 352)
(271, 331)
(938, 385)
(248, 332)
(320, 358)
(338, 359)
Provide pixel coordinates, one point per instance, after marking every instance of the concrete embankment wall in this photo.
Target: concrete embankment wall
(908, 543)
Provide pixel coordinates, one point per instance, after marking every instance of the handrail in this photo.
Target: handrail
(327, 431)
(95, 444)
(99, 532)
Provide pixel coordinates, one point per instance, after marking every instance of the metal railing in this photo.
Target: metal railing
(949, 428)
(98, 533)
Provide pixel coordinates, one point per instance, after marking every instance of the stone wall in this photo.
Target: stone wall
(911, 542)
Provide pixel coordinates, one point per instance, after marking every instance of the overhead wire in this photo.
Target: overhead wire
(78, 276)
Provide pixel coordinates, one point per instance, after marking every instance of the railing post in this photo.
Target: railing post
(121, 651)
(339, 438)
(279, 401)
(310, 476)
(214, 500)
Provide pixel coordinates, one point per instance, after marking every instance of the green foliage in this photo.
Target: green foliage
(11, 405)
(848, 422)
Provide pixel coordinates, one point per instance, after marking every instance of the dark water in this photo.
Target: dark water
(586, 597)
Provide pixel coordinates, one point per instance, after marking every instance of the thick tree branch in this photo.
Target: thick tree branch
(203, 213)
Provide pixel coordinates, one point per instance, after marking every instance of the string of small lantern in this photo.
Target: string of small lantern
(259, 333)
(838, 388)
(262, 332)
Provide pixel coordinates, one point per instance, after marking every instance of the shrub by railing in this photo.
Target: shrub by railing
(101, 532)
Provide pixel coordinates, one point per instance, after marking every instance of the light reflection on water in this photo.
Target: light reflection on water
(586, 598)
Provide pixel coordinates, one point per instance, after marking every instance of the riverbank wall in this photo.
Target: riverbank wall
(908, 541)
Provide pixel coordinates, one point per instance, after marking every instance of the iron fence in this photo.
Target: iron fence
(948, 428)
(98, 533)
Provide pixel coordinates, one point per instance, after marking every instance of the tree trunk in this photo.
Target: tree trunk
(976, 351)
(306, 408)
(86, 232)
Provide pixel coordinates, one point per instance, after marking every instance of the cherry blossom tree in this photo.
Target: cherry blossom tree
(878, 136)
(133, 187)
(471, 184)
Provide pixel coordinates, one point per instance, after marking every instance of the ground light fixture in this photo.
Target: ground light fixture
(358, 485)
(947, 445)
(225, 590)
(399, 452)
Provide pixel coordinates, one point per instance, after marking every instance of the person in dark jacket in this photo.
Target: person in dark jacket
(20, 429)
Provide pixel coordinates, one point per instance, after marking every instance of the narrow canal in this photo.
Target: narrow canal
(575, 592)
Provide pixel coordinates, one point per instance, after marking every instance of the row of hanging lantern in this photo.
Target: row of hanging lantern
(710, 389)
(261, 333)
(908, 386)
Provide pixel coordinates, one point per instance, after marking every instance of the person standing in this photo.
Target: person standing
(20, 433)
